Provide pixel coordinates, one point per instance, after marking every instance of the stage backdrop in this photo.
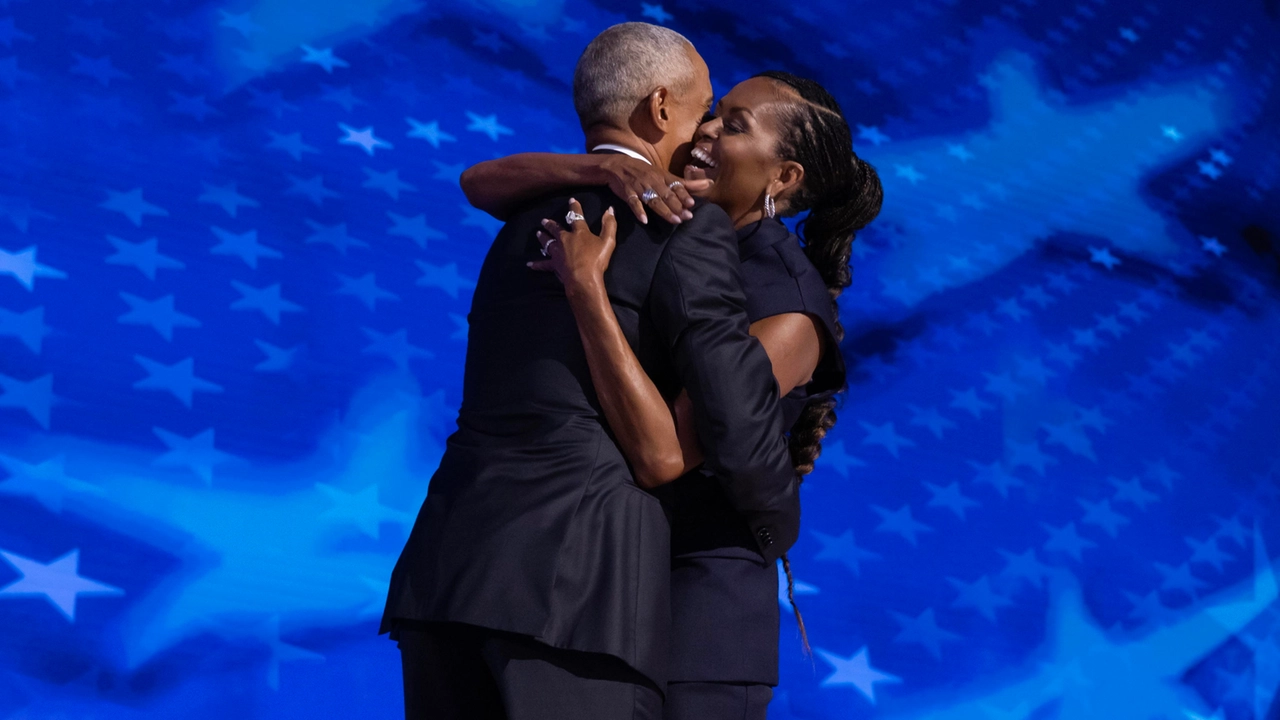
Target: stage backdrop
(235, 269)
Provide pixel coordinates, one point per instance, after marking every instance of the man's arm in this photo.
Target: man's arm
(697, 303)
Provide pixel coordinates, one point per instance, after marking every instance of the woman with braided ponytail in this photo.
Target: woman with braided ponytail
(777, 146)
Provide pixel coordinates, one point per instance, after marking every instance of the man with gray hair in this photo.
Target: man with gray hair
(534, 585)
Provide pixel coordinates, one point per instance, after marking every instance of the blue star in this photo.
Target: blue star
(1103, 257)
(291, 144)
(184, 66)
(1101, 514)
(996, 476)
(194, 105)
(1209, 170)
(240, 22)
(492, 41)
(1066, 540)
(461, 328)
(59, 582)
(278, 359)
(159, 314)
(844, 550)
(365, 289)
(908, 172)
(313, 189)
(131, 205)
(886, 436)
(1028, 455)
(1171, 132)
(27, 327)
(1132, 312)
(1148, 608)
(47, 482)
(969, 401)
(178, 378)
(227, 197)
(394, 346)
(924, 631)
(488, 125)
(951, 498)
(34, 396)
(979, 596)
(872, 135)
(1025, 567)
(1036, 294)
(1180, 578)
(930, 418)
(335, 235)
(22, 266)
(144, 255)
(476, 218)
(323, 57)
(1211, 245)
(267, 299)
(959, 151)
(415, 228)
(1208, 552)
(364, 139)
(449, 173)
(655, 12)
(900, 521)
(361, 509)
(20, 212)
(1069, 435)
(1133, 492)
(196, 453)
(1162, 473)
(1004, 386)
(99, 69)
(9, 33)
(1220, 157)
(1129, 34)
(388, 182)
(274, 103)
(1010, 308)
(430, 132)
(1033, 369)
(1110, 325)
(245, 245)
(341, 96)
(444, 277)
(856, 671)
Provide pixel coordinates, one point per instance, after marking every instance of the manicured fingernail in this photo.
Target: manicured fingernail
(545, 222)
(609, 211)
(690, 202)
(572, 200)
(686, 215)
(528, 264)
(644, 220)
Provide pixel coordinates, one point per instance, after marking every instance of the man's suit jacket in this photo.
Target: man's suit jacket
(533, 523)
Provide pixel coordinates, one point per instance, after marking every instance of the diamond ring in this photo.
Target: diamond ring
(573, 217)
(649, 195)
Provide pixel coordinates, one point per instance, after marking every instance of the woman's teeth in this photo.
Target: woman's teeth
(702, 156)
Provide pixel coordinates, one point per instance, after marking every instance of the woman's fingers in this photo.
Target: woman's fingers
(609, 227)
(676, 186)
(575, 209)
(637, 208)
(660, 205)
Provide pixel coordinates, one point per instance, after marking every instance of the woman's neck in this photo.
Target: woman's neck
(750, 216)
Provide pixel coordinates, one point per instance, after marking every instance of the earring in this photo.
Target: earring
(769, 208)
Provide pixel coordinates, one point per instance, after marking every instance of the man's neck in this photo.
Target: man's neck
(613, 136)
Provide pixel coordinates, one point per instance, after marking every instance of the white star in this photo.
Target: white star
(855, 671)
(23, 266)
(322, 57)
(363, 138)
(430, 132)
(489, 125)
(59, 582)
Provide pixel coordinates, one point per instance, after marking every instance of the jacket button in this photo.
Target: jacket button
(766, 539)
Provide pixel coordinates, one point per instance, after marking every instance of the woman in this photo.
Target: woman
(777, 146)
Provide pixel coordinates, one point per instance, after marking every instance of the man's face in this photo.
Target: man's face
(687, 111)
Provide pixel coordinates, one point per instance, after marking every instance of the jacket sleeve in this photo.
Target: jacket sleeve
(698, 306)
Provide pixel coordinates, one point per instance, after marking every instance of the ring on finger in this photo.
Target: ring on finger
(545, 251)
(649, 195)
(571, 217)
(674, 183)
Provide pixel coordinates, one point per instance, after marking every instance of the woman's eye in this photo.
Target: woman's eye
(732, 128)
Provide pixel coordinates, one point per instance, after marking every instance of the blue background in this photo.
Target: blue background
(235, 266)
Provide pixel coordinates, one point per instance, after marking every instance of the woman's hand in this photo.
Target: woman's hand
(576, 255)
(630, 179)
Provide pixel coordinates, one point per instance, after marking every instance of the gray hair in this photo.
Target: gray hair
(622, 65)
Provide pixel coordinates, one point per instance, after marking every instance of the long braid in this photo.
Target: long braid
(842, 193)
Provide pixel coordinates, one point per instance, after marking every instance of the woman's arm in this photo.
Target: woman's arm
(500, 186)
(657, 439)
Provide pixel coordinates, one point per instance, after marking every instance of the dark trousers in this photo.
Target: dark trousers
(716, 701)
(454, 671)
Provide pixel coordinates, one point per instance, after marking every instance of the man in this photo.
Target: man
(535, 582)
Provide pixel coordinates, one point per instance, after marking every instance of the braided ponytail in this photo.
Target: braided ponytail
(842, 193)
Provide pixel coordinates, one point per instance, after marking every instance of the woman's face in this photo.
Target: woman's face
(737, 149)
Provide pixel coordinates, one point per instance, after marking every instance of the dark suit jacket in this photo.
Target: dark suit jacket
(533, 523)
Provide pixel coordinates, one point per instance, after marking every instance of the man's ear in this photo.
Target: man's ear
(659, 104)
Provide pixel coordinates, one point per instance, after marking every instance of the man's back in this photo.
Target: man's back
(533, 523)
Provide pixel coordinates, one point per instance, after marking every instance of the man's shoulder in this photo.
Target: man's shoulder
(710, 224)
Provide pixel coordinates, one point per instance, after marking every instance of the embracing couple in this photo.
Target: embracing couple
(650, 369)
